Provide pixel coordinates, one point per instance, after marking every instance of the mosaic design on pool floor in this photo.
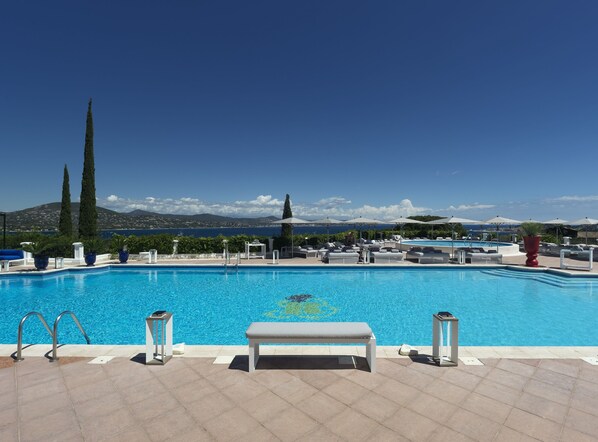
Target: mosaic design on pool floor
(302, 306)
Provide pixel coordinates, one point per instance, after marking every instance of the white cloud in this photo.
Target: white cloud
(466, 207)
(575, 198)
(112, 198)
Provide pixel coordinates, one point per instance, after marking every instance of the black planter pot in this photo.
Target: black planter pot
(41, 262)
(90, 258)
(123, 256)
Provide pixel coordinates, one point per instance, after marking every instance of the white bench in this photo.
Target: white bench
(310, 333)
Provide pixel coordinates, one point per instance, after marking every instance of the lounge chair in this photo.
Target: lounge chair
(384, 256)
(10, 257)
(341, 257)
(482, 256)
(310, 333)
(427, 255)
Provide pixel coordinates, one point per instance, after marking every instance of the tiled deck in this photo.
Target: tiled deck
(298, 398)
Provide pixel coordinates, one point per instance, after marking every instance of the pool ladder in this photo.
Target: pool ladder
(53, 334)
(228, 264)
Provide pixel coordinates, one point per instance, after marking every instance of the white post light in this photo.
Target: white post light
(445, 348)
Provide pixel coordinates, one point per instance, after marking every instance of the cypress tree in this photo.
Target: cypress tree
(286, 229)
(88, 215)
(65, 225)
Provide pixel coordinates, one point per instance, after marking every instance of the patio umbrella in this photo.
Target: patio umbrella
(361, 221)
(498, 221)
(584, 222)
(292, 221)
(402, 221)
(327, 222)
(556, 222)
(452, 221)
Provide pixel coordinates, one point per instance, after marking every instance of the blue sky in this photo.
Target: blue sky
(380, 109)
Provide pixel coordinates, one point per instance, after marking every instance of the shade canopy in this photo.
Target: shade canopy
(362, 220)
(402, 221)
(502, 220)
(291, 220)
(532, 221)
(556, 222)
(455, 220)
(584, 222)
(327, 221)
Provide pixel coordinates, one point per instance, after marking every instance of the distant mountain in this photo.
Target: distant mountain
(45, 217)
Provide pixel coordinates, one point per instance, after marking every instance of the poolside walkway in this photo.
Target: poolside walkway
(298, 398)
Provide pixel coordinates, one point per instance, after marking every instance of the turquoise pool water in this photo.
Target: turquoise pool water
(494, 306)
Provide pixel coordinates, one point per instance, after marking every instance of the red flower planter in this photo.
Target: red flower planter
(532, 247)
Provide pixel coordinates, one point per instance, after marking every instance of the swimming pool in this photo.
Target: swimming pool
(446, 245)
(495, 306)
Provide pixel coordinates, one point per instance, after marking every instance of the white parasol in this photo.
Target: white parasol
(292, 221)
(498, 221)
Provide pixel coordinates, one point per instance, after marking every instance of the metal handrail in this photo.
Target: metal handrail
(20, 332)
(55, 334)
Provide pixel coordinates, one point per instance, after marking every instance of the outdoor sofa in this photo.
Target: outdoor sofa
(427, 255)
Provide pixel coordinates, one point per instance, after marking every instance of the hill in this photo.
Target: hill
(45, 217)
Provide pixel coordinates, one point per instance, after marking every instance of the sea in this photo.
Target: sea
(267, 231)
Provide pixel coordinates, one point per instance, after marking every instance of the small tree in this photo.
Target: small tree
(65, 224)
(88, 215)
(287, 229)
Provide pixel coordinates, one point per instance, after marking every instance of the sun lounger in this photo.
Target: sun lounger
(386, 257)
(483, 257)
(310, 333)
(10, 257)
(342, 257)
(427, 255)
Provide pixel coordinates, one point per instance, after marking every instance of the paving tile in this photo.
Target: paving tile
(506, 378)
(9, 433)
(560, 366)
(9, 400)
(517, 367)
(585, 401)
(169, 424)
(130, 434)
(375, 406)
(321, 433)
(415, 379)
(321, 378)
(181, 377)
(130, 376)
(294, 391)
(345, 391)
(383, 434)
(290, 424)
(244, 390)
(444, 434)
(193, 391)
(555, 379)
(498, 392)
(432, 407)
(210, 406)
(411, 425)
(487, 407)
(397, 392)
(225, 377)
(351, 425)
(39, 391)
(474, 426)
(365, 379)
(571, 435)
(265, 406)
(507, 434)
(153, 406)
(272, 378)
(91, 391)
(60, 423)
(542, 407)
(44, 406)
(111, 424)
(582, 422)
(8, 416)
(234, 424)
(193, 434)
(547, 391)
(142, 391)
(461, 378)
(446, 391)
(321, 407)
(78, 377)
(94, 408)
(533, 425)
(38, 377)
(589, 373)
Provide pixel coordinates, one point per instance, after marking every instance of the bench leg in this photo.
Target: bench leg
(254, 355)
(370, 354)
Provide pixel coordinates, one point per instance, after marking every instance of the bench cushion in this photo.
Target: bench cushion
(309, 330)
